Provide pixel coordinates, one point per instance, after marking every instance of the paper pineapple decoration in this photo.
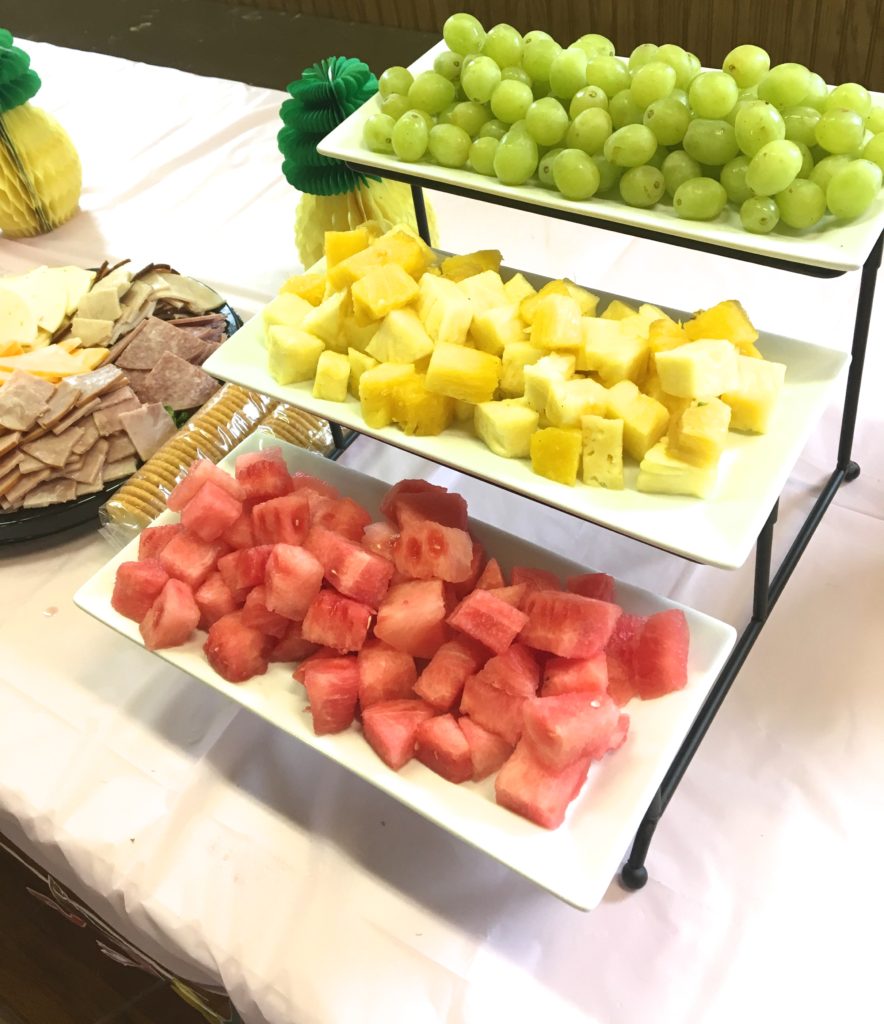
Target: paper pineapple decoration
(40, 174)
(334, 198)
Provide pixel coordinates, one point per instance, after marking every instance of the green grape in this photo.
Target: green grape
(410, 136)
(575, 175)
(747, 65)
(470, 116)
(503, 44)
(594, 45)
(695, 67)
(481, 155)
(377, 133)
(567, 73)
(774, 167)
(853, 189)
(733, 178)
(538, 56)
(463, 34)
(610, 74)
(710, 142)
(677, 168)
(785, 85)
(494, 129)
(743, 101)
(874, 150)
(480, 78)
(826, 169)
(516, 74)
(642, 186)
(699, 199)
(759, 215)
(668, 120)
(849, 96)
(547, 121)
(431, 92)
(713, 94)
(643, 54)
(680, 62)
(652, 82)
(510, 101)
(545, 167)
(757, 124)
(587, 98)
(535, 34)
(875, 120)
(395, 80)
(802, 204)
(624, 110)
(589, 130)
(681, 96)
(659, 155)
(630, 146)
(609, 174)
(801, 124)
(449, 65)
(519, 127)
(449, 145)
(516, 158)
(395, 105)
(444, 116)
(429, 120)
(806, 160)
(840, 131)
(817, 93)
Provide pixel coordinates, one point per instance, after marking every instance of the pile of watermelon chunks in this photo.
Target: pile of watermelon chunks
(404, 624)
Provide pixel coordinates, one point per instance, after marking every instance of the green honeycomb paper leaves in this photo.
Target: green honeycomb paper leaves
(18, 83)
(321, 99)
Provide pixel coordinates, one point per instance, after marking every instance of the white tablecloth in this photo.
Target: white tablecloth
(236, 857)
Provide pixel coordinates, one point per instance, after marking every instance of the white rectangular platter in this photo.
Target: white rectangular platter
(719, 530)
(833, 245)
(577, 861)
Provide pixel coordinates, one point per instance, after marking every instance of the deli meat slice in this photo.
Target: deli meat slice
(137, 379)
(93, 463)
(90, 436)
(8, 442)
(76, 416)
(64, 399)
(119, 446)
(148, 428)
(117, 470)
(116, 396)
(97, 382)
(54, 450)
(178, 384)
(22, 399)
(108, 420)
(9, 462)
(24, 485)
(50, 493)
(154, 338)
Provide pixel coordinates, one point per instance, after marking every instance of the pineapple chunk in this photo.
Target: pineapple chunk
(359, 363)
(292, 354)
(540, 376)
(611, 352)
(726, 320)
(444, 310)
(556, 323)
(700, 369)
(518, 288)
(664, 335)
(326, 321)
(587, 302)
(401, 338)
(400, 245)
(662, 472)
(528, 306)
(484, 291)
(617, 310)
(506, 427)
(516, 356)
(359, 336)
(381, 291)
(286, 309)
(753, 400)
(651, 314)
(555, 454)
(654, 389)
(341, 244)
(464, 411)
(332, 376)
(307, 286)
(377, 389)
(496, 328)
(699, 434)
(602, 452)
(569, 400)
(463, 373)
(458, 268)
(644, 420)
(421, 412)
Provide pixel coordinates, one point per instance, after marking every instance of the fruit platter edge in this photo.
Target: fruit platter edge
(575, 862)
(840, 248)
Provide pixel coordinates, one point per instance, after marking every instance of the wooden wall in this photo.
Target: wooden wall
(843, 40)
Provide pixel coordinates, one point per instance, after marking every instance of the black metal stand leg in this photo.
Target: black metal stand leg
(420, 213)
(340, 441)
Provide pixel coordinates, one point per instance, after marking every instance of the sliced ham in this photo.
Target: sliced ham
(51, 492)
(64, 399)
(90, 436)
(54, 450)
(156, 337)
(148, 428)
(8, 442)
(75, 416)
(178, 384)
(119, 445)
(108, 420)
(117, 470)
(25, 484)
(97, 382)
(22, 399)
(93, 463)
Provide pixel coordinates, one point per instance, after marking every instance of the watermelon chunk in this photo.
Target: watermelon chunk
(263, 475)
(292, 646)
(342, 515)
(477, 564)
(516, 671)
(489, 620)
(320, 487)
(379, 538)
(391, 729)
(245, 569)
(172, 618)
(567, 624)
(496, 710)
(426, 550)
(316, 655)
(190, 559)
(154, 538)
(384, 674)
(442, 681)
(618, 736)
(240, 534)
(411, 618)
(136, 586)
(620, 657)
(236, 651)
(332, 688)
(419, 500)
(443, 748)
(255, 613)
(569, 727)
(199, 473)
(575, 675)
(488, 751)
(535, 579)
(526, 786)
(215, 599)
(283, 520)
(661, 655)
(210, 512)
(349, 568)
(492, 576)
(293, 578)
(336, 621)
(598, 585)
(512, 595)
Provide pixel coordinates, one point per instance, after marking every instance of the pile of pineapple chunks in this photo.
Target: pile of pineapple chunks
(427, 343)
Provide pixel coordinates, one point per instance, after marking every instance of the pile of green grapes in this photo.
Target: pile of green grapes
(774, 141)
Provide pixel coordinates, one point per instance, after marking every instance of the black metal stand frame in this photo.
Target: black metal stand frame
(767, 590)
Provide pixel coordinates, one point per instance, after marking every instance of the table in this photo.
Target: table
(237, 859)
